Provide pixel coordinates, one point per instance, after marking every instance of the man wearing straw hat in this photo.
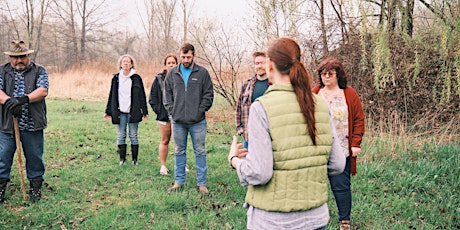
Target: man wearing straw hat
(23, 88)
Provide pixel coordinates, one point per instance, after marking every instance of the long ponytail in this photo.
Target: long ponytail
(285, 53)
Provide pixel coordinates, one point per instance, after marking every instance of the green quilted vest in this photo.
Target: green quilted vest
(299, 180)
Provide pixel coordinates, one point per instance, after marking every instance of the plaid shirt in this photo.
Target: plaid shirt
(242, 108)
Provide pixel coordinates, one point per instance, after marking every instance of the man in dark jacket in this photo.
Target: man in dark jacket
(23, 88)
(188, 96)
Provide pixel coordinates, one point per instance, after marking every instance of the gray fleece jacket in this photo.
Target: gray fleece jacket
(188, 105)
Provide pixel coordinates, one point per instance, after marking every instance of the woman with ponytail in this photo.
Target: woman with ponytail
(156, 102)
(291, 149)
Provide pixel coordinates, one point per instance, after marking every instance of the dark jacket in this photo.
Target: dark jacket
(156, 98)
(188, 106)
(138, 100)
(37, 110)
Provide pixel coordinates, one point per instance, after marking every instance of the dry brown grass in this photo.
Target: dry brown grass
(92, 80)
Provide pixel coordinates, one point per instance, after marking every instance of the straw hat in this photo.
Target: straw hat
(18, 48)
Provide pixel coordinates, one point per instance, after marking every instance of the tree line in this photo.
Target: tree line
(400, 55)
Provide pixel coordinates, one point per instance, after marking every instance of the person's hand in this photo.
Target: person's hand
(17, 111)
(236, 150)
(22, 100)
(240, 131)
(106, 117)
(355, 151)
(13, 102)
(10, 103)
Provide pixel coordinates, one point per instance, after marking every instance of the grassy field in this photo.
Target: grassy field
(402, 183)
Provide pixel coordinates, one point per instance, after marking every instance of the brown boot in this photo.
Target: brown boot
(202, 189)
(174, 188)
(344, 225)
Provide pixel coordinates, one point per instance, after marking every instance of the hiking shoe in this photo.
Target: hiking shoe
(202, 189)
(174, 188)
(344, 225)
(164, 171)
(3, 189)
(35, 191)
(2, 195)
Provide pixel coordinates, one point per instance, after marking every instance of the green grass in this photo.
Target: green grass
(398, 185)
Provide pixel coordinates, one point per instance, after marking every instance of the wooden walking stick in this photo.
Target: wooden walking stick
(18, 151)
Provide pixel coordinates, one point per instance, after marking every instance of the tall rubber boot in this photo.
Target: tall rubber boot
(122, 153)
(135, 153)
(35, 191)
(3, 184)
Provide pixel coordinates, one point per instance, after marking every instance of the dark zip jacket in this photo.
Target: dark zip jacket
(188, 105)
(156, 98)
(138, 100)
(37, 110)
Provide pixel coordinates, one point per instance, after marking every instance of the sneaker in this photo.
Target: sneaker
(202, 189)
(122, 162)
(164, 171)
(174, 188)
(135, 163)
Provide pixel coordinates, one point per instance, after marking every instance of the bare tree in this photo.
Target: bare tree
(186, 9)
(7, 7)
(276, 18)
(407, 24)
(66, 12)
(320, 6)
(149, 25)
(91, 19)
(82, 20)
(446, 10)
(223, 55)
(165, 17)
(35, 24)
(30, 14)
(339, 9)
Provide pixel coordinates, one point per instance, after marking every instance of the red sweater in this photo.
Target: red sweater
(355, 120)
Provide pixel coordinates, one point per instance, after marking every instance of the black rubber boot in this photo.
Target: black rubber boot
(3, 184)
(135, 153)
(122, 153)
(35, 191)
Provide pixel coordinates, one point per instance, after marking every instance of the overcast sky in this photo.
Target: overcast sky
(227, 12)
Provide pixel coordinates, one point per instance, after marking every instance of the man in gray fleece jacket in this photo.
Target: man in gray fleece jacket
(188, 95)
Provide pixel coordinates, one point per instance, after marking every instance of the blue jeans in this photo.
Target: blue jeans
(32, 146)
(198, 134)
(341, 188)
(133, 130)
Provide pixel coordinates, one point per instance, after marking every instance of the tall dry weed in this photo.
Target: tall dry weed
(392, 135)
(91, 81)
